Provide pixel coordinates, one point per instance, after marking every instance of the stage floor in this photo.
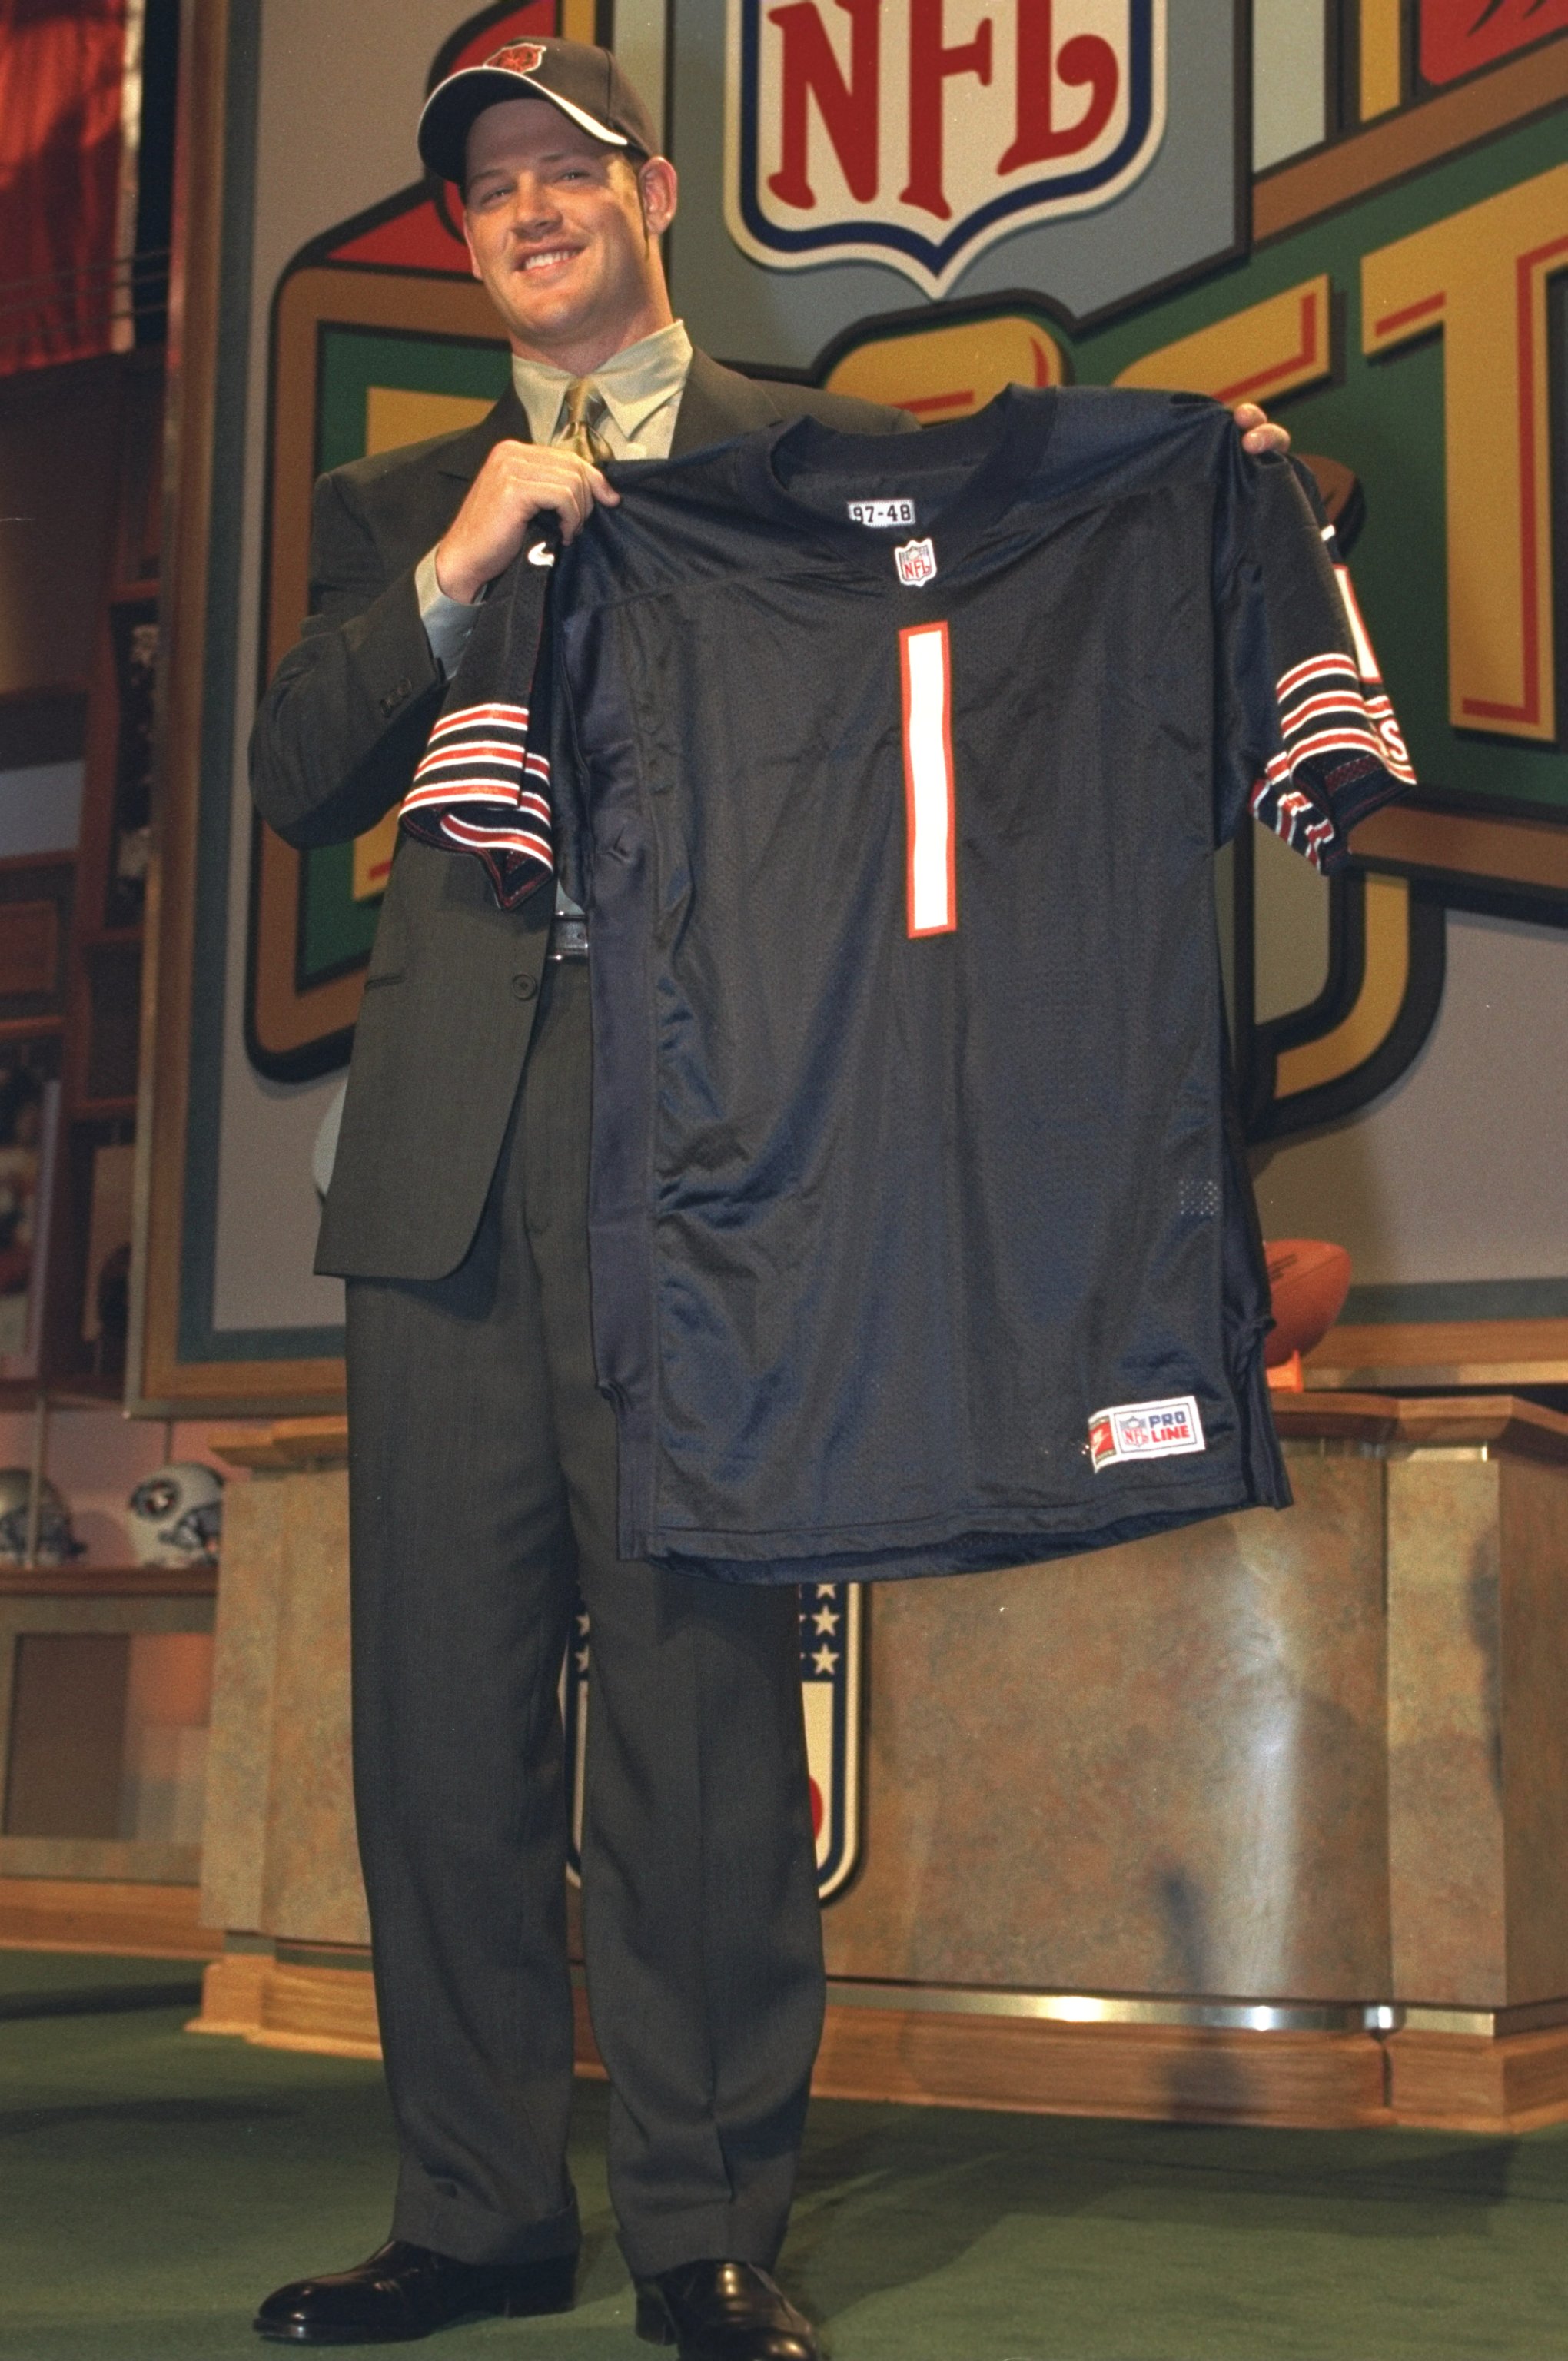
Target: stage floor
(153, 2187)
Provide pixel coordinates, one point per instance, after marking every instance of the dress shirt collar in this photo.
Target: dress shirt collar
(636, 383)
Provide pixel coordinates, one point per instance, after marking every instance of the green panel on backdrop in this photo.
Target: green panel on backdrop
(353, 359)
(336, 931)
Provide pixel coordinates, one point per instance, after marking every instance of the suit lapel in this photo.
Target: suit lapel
(718, 402)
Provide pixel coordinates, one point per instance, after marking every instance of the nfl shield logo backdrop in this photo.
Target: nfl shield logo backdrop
(918, 132)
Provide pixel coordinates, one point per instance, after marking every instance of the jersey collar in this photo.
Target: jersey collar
(1003, 443)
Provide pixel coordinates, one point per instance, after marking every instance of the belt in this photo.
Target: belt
(568, 938)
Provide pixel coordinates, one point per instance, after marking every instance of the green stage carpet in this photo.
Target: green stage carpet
(153, 2185)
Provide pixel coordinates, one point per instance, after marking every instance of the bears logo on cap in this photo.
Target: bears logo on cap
(520, 57)
(583, 82)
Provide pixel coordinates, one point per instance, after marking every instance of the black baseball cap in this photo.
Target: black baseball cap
(585, 83)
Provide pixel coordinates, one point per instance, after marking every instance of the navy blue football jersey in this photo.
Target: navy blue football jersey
(891, 771)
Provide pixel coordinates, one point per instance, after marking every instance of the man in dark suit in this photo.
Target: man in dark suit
(483, 1469)
(484, 1458)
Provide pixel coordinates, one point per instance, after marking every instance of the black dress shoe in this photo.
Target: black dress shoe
(404, 2291)
(723, 2312)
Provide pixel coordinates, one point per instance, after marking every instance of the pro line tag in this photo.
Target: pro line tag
(1157, 1429)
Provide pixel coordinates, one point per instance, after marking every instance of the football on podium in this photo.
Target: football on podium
(1308, 1282)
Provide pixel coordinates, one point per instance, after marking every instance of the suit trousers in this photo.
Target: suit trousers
(482, 1490)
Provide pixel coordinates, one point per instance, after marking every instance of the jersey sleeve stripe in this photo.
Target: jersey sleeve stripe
(479, 792)
(1312, 708)
(469, 750)
(494, 839)
(1331, 666)
(1341, 753)
(499, 785)
(467, 715)
(478, 788)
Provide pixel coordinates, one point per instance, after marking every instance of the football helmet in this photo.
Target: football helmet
(57, 1544)
(175, 1515)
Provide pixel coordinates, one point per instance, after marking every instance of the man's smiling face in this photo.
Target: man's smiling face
(561, 230)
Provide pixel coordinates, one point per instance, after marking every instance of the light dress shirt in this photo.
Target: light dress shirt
(642, 388)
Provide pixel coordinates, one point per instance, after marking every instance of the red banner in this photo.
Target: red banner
(65, 216)
(1457, 36)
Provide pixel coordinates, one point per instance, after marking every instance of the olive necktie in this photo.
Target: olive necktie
(585, 408)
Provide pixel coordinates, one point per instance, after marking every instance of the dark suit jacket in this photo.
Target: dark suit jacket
(454, 980)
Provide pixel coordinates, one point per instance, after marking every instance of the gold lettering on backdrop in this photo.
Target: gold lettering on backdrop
(396, 414)
(1381, 63)
(1270, 348)
(940, 373)
(1481, 277)
(1366, 1025)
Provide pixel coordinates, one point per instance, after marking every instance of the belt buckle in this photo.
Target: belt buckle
(569, 939)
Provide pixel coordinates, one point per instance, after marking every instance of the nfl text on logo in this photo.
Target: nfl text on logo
(832, 1622)
(842, 124)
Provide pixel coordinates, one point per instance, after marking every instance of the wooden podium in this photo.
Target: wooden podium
(1263, 1821)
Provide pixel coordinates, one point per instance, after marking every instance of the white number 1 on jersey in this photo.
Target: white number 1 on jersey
(929, 779)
